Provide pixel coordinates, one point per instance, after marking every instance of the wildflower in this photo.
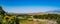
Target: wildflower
(6, 18)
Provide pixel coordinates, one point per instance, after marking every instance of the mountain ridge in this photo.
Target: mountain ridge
(41, 13)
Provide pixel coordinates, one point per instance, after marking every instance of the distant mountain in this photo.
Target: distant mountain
(40, 13)
(54, 12)
(47, 12)
(37, 13)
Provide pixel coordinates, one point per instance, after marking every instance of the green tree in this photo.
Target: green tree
(2, 14)
(2, 11)
(58, 19)
(45, 16)
(36, 16)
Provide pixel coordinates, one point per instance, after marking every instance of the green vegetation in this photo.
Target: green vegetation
(16, 20)
(49, 16)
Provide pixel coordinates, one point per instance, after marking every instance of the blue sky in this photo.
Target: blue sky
(29, 6)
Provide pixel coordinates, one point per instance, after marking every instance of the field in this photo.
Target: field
(39, 21)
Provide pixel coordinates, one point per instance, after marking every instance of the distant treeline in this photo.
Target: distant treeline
(47, 16)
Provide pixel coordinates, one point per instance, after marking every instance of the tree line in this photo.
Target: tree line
(49, 16)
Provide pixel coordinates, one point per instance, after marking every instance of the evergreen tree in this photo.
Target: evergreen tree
(2, 12)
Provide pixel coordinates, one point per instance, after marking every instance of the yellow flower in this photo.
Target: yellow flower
(4, 21)
(6, 18)
(12, 18)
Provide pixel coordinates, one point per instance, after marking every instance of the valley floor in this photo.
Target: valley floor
(39, 21)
